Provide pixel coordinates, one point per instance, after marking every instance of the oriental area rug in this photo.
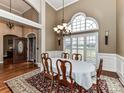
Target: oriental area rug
(33, 82)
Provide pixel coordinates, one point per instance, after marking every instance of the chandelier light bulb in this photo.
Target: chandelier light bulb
(60, 27)
(63, 28)
(69, 28)
(65, 24)
(58, 31)
(55, 29)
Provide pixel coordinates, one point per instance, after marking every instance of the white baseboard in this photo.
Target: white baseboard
(121, 79)
(120, 68)
(114, 63)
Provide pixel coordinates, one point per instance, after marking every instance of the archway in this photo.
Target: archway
(8, 48)
(31, 45)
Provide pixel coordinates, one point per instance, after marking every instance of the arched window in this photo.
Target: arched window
(80, 22)
(82, 43)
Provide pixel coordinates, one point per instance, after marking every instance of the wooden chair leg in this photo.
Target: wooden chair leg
(43, 78)
(51, 86)
(71, 88)
(58, 89)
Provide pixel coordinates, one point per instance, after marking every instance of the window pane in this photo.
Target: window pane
(83, 44)
(67, 45)
(91, 47)
(90, 24)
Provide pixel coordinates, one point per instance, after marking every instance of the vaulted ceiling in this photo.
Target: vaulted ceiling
(19, 6)
(58, 4)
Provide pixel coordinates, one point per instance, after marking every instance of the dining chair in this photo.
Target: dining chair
(65, 55)
(48, 71)
(63, 78)
(76, 56)
(100, 85)
(46, 55)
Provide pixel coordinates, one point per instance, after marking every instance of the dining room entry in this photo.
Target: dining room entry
(15, 49)
(31, 45)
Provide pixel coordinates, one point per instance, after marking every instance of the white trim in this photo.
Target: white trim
(94, 20)
(84, 49)
(12, 8)
(28, 44)
(51, 5)
(120, 68)
(30, 33)
(43, 22)
(77, 14)
(67, 4)
(34, 4)
(114, 63)
(86, 18)
(10, 16)
(120, 57)
(109, 61)
(57, 9)
(1, 62)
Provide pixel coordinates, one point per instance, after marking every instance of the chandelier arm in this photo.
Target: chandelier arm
(63, 12)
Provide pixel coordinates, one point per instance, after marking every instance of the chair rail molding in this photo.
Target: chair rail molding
(109, 61)
(120, 68)
(114, 63)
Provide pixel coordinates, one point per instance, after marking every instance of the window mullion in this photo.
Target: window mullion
(77, 44)
(85, 47)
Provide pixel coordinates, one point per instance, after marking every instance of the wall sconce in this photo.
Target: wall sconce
(106, 37)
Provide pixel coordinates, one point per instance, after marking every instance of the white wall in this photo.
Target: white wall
(109, 61)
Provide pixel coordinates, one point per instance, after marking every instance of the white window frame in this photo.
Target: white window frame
(82, 35)
(84, 32)
(86, 18)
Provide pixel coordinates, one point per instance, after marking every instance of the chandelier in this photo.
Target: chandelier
(10, 24)
(62, 29)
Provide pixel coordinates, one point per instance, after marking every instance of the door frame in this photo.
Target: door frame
(26, 36)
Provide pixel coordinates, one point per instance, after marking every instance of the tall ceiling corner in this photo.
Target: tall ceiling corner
(57, 4)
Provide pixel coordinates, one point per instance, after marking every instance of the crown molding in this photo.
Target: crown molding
(57, 9)
(67, 5)
(51, 5)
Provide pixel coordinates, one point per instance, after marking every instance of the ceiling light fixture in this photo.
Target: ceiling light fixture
(62, 29)
(10, 24)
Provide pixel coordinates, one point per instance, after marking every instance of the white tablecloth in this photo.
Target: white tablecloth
(81, 72)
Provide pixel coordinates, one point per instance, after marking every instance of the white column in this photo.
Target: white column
(42, 19)
(42, 14)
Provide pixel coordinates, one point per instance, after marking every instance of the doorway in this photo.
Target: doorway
(14, 49)
(31, 38)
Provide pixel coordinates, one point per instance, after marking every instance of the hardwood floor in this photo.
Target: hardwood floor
(9, 71)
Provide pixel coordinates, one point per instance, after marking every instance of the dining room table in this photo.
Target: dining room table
(82, 72)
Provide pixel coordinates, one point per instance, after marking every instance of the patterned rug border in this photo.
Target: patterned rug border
(21, 75)
(22, 78)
